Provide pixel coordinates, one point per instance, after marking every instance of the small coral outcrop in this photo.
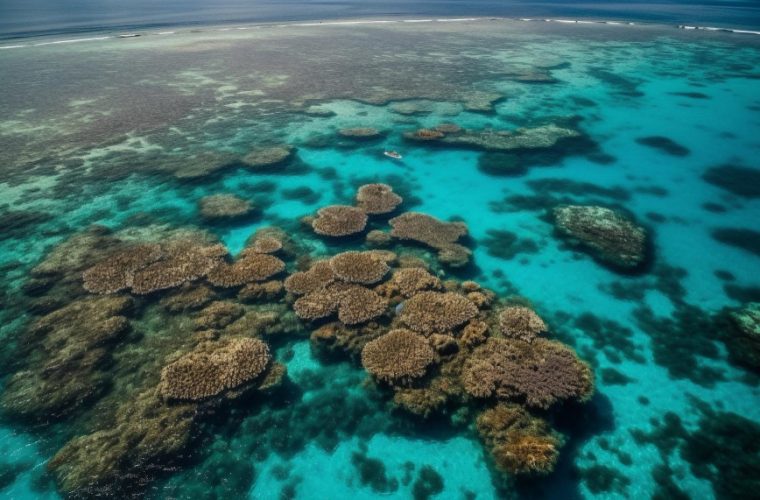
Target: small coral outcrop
(434, 233)
(359, 267)
(608, 235)
(339, 220)
(522, 323)
(116, 272)
(377, 198)
(250, 268)
(519, 443)
(398, 356)
(360, 133)
(214, 367)
(409, 281)
(437, 312)
(541, 137)
(267, 157)
(319, 275)
(218, 207)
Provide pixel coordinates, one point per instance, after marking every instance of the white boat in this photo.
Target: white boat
(393, 154)
(129, 35)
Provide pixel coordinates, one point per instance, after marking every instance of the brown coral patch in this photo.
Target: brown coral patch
(264, 244)
(354, 303)
(214, 367)
(184, 261)
(398, 356)
(542, 372)
(434, 233)
(261, 158)
(412, 280)
(319, 275)
(261, 292)
(116, 272)
(519, 322)
(223, 206)
(339, 220)
(430, 312)
(218, 314)
(252, 267)
(377, 198)
(359, 267)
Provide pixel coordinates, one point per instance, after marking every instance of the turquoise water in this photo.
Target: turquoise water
(102, 133)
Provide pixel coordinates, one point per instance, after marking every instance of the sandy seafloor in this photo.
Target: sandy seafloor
(84, 126)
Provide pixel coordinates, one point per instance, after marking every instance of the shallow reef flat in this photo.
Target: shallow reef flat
(216, 284)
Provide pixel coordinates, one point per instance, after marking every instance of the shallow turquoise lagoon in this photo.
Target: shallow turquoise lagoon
(114, 378)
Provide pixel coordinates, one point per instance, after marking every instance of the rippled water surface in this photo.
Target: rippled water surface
(150, 348)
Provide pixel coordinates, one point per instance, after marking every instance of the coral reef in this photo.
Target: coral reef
(360, 133)
(146, 438)
(542, 372)
(199, 165)
(70, 348)
(365, 268)
(742, 335)
(224, 207)
(377, 198)
(377, 238)
(339, 220)
(437, 312)
(434, 233)
(354, 303)
(520, 323)
(320, 274)
(265, 158)
(213, 368)
(410, 281)
(519, 443)
(542, 137)
(608, 235)
(267, 291)
(398, 356)
(249, 268)
(116, 273)
(147, 268)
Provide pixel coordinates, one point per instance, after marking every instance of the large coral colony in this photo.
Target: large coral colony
(433, 346)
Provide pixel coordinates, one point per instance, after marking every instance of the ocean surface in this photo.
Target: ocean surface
(160, 340)
(23, 18)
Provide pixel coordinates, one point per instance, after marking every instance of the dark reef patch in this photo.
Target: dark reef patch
(742, 293)
(681, 341)
(609, 337)
(611, 376)
(577, 188)
(427, 484)
(739, 180)
(304, 194)
(664, 145)
(20, 223)
(746, 239)
(372, 473)
(501, 164)
(715, 208)
(602, 479)
(691, 95)
(725, 450)
(506, 244)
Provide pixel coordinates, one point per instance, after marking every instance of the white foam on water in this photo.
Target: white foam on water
(72, 40)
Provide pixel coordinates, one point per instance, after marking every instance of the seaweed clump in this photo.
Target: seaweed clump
(519, 442)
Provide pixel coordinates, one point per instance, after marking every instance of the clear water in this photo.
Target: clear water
(82, 125)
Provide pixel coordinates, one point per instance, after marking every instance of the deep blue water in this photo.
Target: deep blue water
(33, 17)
